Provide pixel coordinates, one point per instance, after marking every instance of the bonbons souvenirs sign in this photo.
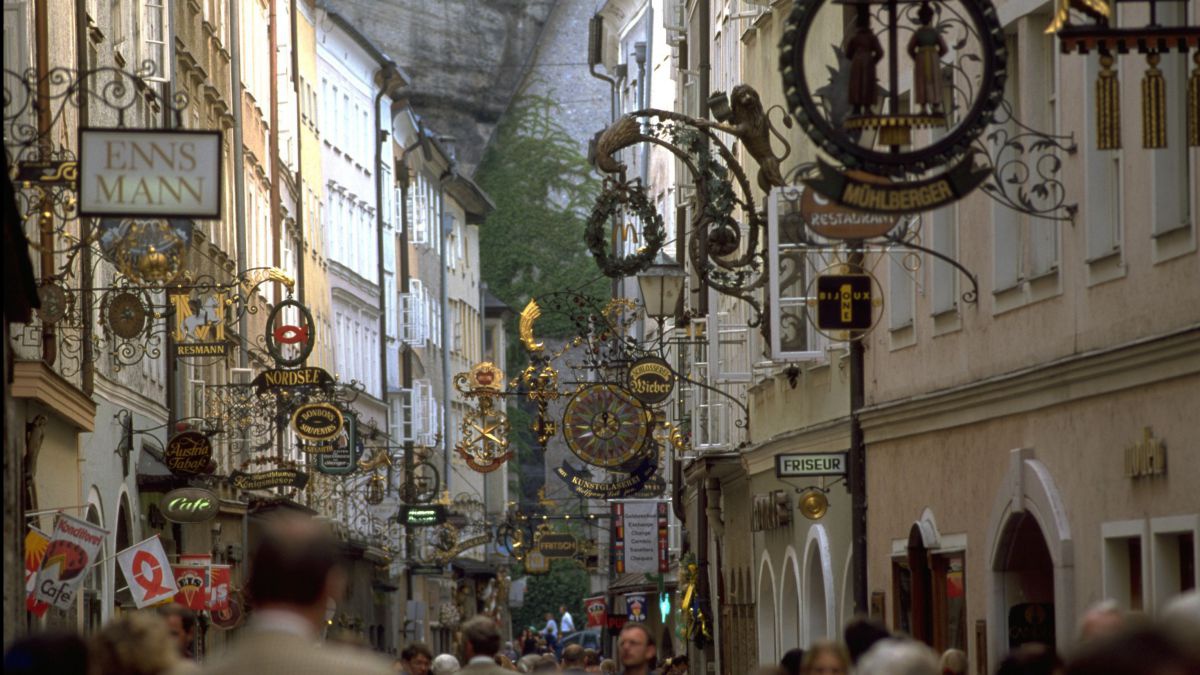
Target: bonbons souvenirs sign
(317, 421)
(72, 549)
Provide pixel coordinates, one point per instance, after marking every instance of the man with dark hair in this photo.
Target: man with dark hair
(861, 633)
(635, 645)
(294, 576)
(573, 659)
(482, 640)
(418, 658)
(182, 622)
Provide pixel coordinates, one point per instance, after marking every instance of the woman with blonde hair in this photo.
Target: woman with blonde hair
(138, 643)
(826, 657)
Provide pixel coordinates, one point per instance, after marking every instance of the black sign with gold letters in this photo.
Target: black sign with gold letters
(844, 302)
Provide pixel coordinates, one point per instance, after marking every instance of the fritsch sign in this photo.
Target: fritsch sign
(150, 172)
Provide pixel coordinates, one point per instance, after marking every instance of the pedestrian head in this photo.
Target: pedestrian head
(636, 647)
(51, 653)
(608, 666)
(420, 657)
(1031, 658)
(295, 567)
(444, 664)
(527, 663)
(792, 661)
(482, 636)
(954, 662)
(1139, 650)
(825, 657)
(138, 643)
(591, 658)
(181, 621)
(1101, 619)
(573, 656)
(861, 634)
(898, 657)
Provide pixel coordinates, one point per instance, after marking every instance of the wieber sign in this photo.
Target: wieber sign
(148, 572)
(72, 550)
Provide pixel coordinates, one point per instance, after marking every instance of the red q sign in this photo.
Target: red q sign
(152, 582)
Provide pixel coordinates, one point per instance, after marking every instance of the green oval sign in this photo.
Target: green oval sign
(317, 421)
(189, 505)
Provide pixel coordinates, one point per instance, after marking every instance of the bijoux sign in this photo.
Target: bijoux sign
(150, 172)
(189, 505)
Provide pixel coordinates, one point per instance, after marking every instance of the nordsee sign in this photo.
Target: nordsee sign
(145, 172)
(824, 464)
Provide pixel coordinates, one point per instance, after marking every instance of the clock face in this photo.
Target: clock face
(605, 426)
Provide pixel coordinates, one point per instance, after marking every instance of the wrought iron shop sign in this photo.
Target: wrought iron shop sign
(47, 172)
(188, 453)
(844, 302)
(834, 221)
(200, 323)
(558, 545)
(422, 516)
(291, 333)
(810, 464)
(651, 380)
(189, 505)
(344, 452)
(317, 421)
(269, 479)
(144, 172)
(623, 487)
(282, 379)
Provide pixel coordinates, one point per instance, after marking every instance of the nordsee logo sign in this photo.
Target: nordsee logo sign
(823, 464)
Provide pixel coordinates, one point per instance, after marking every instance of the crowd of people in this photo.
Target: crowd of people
(301, 577)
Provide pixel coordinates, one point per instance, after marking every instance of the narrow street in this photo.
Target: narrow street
(654, 337)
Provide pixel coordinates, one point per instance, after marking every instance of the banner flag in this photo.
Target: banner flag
(71, 551)
(148, 572)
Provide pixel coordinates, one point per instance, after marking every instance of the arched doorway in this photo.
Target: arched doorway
(1025, 572)
(920, 614)
(123, 597)
(789, 605)
(1031, 575)
(767, 642)
(815, 596)
(93, 583)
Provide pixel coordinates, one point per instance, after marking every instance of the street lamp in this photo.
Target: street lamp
(661, 285)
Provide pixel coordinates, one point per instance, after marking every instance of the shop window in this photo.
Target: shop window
(1173, 544)
(1124, 571)
(930, 592)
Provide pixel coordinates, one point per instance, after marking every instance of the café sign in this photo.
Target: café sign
(150, 172)
(317, 421)
(814, 464)
(189, 505)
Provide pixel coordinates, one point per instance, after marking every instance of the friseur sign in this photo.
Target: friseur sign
(810, 464)
(150, 172)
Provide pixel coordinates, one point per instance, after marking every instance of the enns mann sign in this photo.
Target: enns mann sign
(144, 172)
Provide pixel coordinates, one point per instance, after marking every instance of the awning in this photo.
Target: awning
(473, 568)
(628, 583)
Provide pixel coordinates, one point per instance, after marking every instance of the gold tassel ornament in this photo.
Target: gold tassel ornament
(1193, 103)
(1108, 106)
(1154, 105)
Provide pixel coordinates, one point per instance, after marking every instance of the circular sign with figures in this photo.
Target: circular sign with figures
(605, 426)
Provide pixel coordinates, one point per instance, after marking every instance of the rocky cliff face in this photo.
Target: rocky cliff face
(466, 57)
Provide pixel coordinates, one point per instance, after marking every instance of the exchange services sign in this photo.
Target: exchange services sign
(148, 172)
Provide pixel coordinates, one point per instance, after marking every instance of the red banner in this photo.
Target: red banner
(218, 590)
(192, 587)
(597, 611)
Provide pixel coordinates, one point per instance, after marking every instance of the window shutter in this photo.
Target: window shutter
(791, 267)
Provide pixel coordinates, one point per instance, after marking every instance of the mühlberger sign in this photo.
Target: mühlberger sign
(148, 172)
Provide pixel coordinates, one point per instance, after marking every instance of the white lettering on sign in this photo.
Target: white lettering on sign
(827, 464)
(131, 172)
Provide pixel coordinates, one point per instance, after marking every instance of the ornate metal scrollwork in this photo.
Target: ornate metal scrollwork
(1026, 167)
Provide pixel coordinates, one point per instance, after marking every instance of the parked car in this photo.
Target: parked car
(588, 638)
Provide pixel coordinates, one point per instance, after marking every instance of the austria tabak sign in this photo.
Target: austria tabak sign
(150, 172)
(188, 453)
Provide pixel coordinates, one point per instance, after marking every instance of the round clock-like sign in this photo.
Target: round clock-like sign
(605, 426)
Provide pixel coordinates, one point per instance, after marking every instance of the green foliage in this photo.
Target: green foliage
(565, 584)
(543, 188)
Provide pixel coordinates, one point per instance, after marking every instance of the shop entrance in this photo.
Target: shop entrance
(1025, 572)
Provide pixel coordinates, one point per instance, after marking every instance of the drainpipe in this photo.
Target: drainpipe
(295, 40)
(239, 187)
(388, 77)
(272, 159)
(450, 174)
(406, 362)
(88, 371)
(45, 223)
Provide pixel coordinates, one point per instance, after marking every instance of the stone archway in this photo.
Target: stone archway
(1030, 580)
(820, 614)
(790, 628)
(767, 633)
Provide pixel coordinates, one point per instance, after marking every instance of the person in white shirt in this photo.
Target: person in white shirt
(567, 624)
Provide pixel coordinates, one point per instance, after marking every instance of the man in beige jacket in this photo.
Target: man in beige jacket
(482, 640)
(294, 574)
